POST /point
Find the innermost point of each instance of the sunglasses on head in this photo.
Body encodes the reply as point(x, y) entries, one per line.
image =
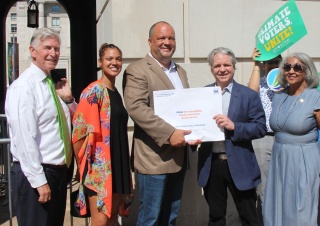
point(296, 67)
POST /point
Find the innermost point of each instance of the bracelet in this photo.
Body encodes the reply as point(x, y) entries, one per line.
point(69, 101)
point(256, 70)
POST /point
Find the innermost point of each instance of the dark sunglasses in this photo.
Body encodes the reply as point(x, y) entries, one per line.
point(273, 62)
point(296, 67)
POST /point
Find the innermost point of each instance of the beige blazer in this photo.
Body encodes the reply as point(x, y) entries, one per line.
point(151, 150)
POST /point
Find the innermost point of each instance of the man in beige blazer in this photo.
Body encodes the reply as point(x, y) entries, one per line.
point(159, 149)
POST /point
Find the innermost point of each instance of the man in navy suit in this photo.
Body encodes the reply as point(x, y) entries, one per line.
point(232, 163)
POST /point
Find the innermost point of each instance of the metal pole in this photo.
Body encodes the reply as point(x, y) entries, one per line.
point(102, 10)
point(7, 141)
point(9, 183)
point(70, 191)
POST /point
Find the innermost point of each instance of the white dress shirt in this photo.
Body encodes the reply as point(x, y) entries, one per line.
point(172, 74)
point(219, 146)
point(33, 125)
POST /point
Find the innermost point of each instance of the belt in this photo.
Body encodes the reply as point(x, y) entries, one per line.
point(270, 134)
point(48, 165)
point(54, 166)
point(221, 156)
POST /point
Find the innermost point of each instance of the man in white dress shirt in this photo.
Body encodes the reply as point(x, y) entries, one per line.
point(39, 182)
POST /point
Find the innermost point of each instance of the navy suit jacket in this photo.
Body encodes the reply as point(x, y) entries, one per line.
point(247, 114)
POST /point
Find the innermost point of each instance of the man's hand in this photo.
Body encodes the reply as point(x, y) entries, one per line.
point(44, 193)
point(177, 138)
point(63, 89)
point(194, 142)
point(224, 122)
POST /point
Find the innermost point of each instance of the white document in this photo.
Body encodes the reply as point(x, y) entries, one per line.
point(191, 109)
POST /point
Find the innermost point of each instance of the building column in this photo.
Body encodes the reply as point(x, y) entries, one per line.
point(41, 14)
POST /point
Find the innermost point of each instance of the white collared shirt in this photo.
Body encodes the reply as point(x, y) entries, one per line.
point(33, 124)
point(219, 146)
point(172, 74)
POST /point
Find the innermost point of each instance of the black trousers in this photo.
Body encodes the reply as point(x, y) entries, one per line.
point(26, 207)
point(216, 196)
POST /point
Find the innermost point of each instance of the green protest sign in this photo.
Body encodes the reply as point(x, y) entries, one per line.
point(284, 28)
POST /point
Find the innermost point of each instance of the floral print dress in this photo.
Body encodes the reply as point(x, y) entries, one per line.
point(92, 122)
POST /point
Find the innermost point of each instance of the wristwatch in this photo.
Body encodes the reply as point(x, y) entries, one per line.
point(69, 101)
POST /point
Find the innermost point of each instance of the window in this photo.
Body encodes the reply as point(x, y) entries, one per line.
point(55, 9)
point(14, 39)
point(13, 16)
point(13, 28)
point(55, 21)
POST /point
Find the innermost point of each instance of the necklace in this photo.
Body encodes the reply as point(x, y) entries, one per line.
point(299, 98)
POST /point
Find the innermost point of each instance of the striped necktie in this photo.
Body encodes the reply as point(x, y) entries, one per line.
point(63, 125)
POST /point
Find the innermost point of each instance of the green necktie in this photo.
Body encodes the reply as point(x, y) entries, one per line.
point(63, 125)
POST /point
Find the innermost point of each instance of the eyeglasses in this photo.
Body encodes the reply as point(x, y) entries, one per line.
point(272, 62)
point(296, 67)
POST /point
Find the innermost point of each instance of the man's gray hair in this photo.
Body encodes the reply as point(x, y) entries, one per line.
point(224, 51)
point(42, 34)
